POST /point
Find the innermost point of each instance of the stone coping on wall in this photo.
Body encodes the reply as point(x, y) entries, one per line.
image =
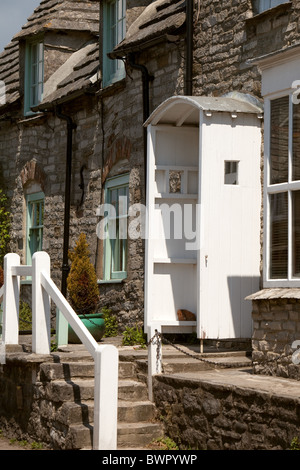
point(275, 293)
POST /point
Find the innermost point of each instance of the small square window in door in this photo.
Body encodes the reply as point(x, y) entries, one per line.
point(231, 172)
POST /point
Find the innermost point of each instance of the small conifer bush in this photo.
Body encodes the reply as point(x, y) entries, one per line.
point(82, 280)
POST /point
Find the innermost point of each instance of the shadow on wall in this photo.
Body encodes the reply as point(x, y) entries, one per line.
point(239, 287)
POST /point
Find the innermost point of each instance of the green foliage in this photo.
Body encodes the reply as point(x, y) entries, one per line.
point(295, 444)
point(111, 323)
point(25, 316)
point(132, 336)
point(82, 280)
point(4, 226)
point(164, 443)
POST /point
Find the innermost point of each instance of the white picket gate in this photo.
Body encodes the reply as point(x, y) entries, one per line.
point(105, 356)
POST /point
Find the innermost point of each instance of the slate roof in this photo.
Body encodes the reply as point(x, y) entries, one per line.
point(9, 71)
point(160, 18)
point(58, 15)
point(52, 15)
point(81, 70)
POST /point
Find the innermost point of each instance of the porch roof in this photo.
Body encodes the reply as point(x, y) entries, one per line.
point(179, 110)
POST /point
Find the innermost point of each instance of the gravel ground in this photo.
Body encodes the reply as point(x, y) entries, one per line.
point(5, 444)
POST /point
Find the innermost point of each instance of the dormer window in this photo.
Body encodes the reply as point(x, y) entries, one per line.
point(34, 75)
point(114, 24)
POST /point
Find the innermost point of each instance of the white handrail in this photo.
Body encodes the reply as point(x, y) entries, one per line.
point(68, 312)
point(105, 356)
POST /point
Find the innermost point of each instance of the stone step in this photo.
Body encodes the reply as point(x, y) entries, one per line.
point(63, 391)
point(67, 371)
point(173, 366)
point(70, 370)
point(132, 390)
point(177, 364)
point(83, 389)
point(139, 434)
point(83, 412)
point(129, 435)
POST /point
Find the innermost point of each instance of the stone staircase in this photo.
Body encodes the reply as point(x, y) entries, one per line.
point(68, 392)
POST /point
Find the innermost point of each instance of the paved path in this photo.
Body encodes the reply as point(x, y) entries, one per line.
point(5, 444)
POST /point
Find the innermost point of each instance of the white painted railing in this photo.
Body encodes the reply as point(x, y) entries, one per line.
point(105, 356)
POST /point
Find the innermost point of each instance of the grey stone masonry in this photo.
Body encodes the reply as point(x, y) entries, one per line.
point(276, 325)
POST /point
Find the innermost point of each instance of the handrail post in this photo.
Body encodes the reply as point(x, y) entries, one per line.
point(106, 398)
point(11, 297)
point(41, 339)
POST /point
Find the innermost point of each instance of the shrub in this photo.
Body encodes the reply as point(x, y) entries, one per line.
point(111, 323)
point(4, 226)
point(82, 280)
point(132, 336)
point(25, 316)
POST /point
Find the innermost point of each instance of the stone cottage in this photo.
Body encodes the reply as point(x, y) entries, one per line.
point(71, 131)
point(79, 88)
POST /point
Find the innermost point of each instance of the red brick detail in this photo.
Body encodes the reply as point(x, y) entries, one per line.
point(33, 172)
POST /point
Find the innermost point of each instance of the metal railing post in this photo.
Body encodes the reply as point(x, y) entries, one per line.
point(11, 296)
point(154, 356)
point(41, 338)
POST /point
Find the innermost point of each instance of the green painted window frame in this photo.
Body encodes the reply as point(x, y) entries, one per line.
point(263, 5)
point(35, 224)
point(34, 75)
point(114, 30)
point(116, 249)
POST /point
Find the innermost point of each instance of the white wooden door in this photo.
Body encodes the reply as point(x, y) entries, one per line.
point(229, 255)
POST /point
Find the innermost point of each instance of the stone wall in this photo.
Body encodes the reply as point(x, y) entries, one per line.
point(229, 35)
point(276, 326)
point(200, 415)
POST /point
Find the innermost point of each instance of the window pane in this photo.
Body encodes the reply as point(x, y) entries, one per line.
point(231, 173)
point(279, 236)
point(296, 233)
point(116, 254)
point(279, 140)
point(296, 142)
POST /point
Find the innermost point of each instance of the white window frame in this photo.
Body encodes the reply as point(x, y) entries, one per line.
point(114, 30)
point(111, 274)
point(269, 189)
point(34, 75)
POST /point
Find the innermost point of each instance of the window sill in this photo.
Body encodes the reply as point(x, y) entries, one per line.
point(273, 293)
point(279, 9)
point(32, 118)
point(111, 281)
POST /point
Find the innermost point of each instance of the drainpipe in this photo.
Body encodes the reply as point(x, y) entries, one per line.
point(65, 266)
point(146, 78)
point(189, 47)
